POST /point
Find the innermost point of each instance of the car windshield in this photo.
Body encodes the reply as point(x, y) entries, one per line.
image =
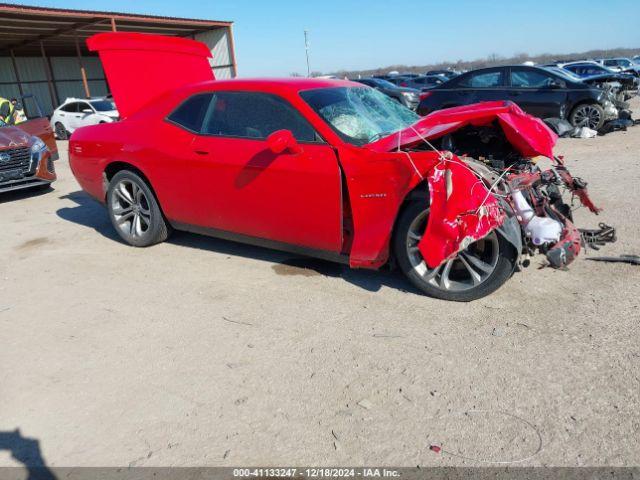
point(359, 115)
point(103, 105)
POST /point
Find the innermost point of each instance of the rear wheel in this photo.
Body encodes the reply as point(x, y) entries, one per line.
point(475, 272)
point(134, 211)
point(587, 115)
point(61, 131)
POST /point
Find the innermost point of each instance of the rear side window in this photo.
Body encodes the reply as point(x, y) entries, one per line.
point(530, 79)
point(482, 80)
point(255, 115)
point(84, 106)
point(190, 114)
point(70, 107)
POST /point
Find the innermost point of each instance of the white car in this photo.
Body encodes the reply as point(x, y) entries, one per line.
point(77, 112)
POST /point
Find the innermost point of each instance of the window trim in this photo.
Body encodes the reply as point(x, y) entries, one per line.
point(550, 75)
point(502, 84)
point(212, 93)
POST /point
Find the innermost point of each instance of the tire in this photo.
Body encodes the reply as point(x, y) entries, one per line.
point(134, 211)
point(492, 259)
point(61, 131)
point(587, 115)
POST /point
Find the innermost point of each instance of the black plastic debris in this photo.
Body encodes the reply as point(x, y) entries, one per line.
point(561, 127)
point(620, 124)
point(631, 259)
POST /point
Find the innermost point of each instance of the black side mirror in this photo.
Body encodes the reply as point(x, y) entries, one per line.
point(557, 84)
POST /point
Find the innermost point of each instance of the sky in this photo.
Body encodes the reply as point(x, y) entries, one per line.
point(359, 34)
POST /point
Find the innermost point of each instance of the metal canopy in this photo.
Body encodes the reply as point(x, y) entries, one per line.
point(26, 29)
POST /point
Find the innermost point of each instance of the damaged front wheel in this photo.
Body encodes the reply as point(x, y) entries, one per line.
point(475, 272)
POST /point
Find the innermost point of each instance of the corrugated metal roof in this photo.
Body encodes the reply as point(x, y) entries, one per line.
point(24, 27)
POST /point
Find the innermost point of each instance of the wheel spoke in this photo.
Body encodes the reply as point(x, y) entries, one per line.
point(122, 210)
point(444, 276)
point(414, 236)
point(476, 278)
point(146, 218)
point(477, 263)
point(125, 217)
point(124, 194)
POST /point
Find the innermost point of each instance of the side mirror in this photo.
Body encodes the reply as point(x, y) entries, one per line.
point(283, 140)
point(556, 84)
point(87, 110)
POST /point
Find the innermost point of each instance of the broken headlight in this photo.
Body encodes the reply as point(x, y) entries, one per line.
point(38, 145)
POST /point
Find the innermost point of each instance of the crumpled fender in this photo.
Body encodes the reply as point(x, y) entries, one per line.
point(462, 211)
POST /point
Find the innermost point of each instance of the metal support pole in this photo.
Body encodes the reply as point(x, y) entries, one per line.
point(233, 51)
point(47, 68)
point(83, 72)
point(113, 25)
point(306, 49)
point(15, 69)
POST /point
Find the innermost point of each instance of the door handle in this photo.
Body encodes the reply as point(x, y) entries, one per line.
point(516, 94)
point(201, 152)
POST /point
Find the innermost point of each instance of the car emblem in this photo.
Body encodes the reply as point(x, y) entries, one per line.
point(4, 157)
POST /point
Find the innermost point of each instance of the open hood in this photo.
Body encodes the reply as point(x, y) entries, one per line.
point(529, 135)
point(140, 67)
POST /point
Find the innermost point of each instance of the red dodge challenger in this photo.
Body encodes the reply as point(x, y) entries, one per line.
point(332, 169)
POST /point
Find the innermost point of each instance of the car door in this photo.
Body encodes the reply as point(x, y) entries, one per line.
point(67, 115)
point(239, 185)
point(480, 86)
point(537, 92)
point(86, 115)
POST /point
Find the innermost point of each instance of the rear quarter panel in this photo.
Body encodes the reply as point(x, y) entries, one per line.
point(154, 147)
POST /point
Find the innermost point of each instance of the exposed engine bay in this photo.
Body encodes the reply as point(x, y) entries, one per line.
point(529, 191)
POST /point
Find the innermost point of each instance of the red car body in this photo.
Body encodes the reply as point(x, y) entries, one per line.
point(330, 199)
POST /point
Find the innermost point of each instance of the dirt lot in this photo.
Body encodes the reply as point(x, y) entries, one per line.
point(205, 352)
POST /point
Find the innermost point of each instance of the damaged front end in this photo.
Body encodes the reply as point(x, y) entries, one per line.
point(522, 198)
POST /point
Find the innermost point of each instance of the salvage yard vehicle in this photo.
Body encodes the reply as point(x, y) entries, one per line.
point(408, 97)
point(621, 65)
point(624, 84)
point(538, 91)
point(80, 112)
point(329, 168)
point(25, 160)
point(37, 124)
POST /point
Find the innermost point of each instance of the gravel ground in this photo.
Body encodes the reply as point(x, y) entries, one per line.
point(205, 352)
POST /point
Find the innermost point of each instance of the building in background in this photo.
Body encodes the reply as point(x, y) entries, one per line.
point(43, 51)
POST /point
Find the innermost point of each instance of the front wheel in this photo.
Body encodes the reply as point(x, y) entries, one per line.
point(134, 211)
point(61, 131)
point(587, 115)
point(477, 271)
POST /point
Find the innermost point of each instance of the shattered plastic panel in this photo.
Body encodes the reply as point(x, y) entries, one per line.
point(462, 211)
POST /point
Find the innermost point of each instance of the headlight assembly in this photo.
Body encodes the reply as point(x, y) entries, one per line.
point(38, 145)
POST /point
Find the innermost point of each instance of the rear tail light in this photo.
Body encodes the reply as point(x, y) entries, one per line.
point(403, 84)
point(424, 95)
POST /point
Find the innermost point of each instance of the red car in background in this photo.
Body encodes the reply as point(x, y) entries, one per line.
point(25, 161)
point(328, 168)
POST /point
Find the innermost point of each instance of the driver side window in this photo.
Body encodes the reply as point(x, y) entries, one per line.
point(254, 115)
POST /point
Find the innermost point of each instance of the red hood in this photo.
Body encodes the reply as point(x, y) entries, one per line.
point(529, 135)
point(140, 67)
point(13, 137)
